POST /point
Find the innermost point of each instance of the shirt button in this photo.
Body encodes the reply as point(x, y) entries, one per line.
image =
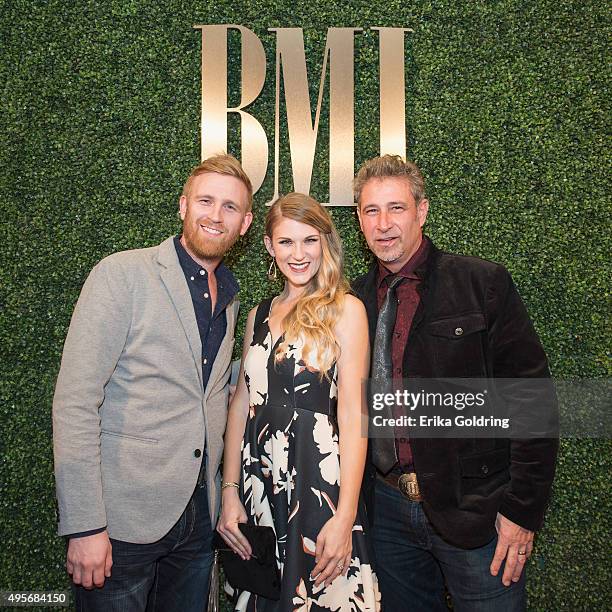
point(206, 295)
point(202, 272)
point(197, 452)
point(485, 469)
point(192, 278)
point(459, 331)
point(205, 361)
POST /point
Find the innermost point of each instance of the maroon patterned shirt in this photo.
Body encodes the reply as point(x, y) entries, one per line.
point(408, 301)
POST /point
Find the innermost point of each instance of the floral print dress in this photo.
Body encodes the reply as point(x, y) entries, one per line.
point(291, 477)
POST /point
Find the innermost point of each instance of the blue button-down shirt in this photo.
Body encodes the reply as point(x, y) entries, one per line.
point(212, 325)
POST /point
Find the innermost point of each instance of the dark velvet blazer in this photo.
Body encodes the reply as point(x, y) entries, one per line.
point(465, 482)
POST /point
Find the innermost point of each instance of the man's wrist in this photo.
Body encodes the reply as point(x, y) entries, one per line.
point(521, 517)
point(84, 534)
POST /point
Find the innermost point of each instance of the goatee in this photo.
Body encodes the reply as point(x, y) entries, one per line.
point(207, 249)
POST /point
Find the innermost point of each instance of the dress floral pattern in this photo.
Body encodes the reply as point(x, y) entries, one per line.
point(291, 477)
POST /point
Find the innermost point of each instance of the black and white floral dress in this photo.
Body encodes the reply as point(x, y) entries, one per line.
point(291, 474)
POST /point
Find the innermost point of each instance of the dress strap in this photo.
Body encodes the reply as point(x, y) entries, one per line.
point(263, 310)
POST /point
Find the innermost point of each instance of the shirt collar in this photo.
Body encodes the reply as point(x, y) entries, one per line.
point(409, 269)
point(226, 281)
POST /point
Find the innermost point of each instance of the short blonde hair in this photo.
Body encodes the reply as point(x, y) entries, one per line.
point(390, 166)
point(221, 164)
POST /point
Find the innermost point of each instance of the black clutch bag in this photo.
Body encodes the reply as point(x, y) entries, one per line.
point(260, 574)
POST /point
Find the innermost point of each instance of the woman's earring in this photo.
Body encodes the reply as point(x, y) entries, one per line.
point(272, 270)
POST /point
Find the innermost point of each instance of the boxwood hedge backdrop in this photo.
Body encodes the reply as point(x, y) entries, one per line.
point(506, 114)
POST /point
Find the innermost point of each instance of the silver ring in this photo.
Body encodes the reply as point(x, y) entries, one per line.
point(340, 566)
point(522, 552)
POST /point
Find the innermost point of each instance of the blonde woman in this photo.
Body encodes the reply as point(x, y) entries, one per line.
point(293, 438)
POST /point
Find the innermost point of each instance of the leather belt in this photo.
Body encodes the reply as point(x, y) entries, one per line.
point(407, 484)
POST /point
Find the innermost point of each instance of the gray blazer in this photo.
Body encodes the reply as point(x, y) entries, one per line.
point(130, 414)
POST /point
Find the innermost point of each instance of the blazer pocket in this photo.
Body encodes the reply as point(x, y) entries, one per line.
point(116, 434)
point(484, 465)
point(484, 478)
point(457, 327)
point(457, 343)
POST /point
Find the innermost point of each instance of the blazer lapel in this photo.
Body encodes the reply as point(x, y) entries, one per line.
point(173, 277)
point(425, 287)
point(369, 297)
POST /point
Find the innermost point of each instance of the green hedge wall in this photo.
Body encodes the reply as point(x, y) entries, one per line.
point(506, 114)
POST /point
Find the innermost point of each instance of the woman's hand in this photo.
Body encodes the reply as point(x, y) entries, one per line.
point(333, 551)
point(232, 513)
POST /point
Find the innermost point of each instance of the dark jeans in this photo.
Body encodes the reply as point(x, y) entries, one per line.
point(413, 563)
point(169, 575)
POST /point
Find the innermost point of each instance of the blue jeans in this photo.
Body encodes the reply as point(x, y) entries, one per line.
point(413, 563)
point(169, 575)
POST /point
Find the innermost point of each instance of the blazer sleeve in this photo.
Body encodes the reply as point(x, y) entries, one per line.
point(96, 337)
point(518, 357)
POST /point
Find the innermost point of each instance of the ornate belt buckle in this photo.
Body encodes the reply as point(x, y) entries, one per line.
point(409, 486)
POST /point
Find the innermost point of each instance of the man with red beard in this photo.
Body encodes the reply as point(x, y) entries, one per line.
point(140, 407)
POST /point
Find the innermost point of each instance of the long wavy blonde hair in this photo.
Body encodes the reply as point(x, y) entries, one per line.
point(314, 316)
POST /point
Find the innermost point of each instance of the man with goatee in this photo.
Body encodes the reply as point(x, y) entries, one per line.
point(458, 512)
point(140, 407)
